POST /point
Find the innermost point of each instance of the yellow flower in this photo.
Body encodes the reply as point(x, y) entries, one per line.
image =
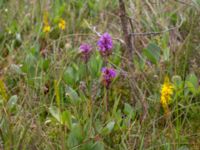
point(166, 93)
point(62, 24)
point(46, 28)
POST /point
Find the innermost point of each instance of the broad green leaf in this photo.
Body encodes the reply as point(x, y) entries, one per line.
point(55, 112)
point(72, 94)
point(128, 110)
point(68, 76)
point(66, 119)
point(116, 58)
point(184, 147)
point(75, 136)
point(44, 64)
point(192, 78)
point(166, 54)
point(139, 62)
point(12, 101)
point(178, 84)
point(192, 83)
point(108, 128)
point(82, 71)
point(95, 65)
point(152, 52)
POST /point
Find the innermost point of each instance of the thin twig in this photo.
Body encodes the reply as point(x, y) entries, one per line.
point(157, 33)
point(153, 33)
point(93, 29)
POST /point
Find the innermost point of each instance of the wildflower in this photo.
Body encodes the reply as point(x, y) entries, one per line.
point(166, 93)
point(85, 50)
point(46, 28)
point(62, 24)
point(108, 74)
point(105, 44)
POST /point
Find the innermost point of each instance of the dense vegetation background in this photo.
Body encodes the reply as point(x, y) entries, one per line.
point(53, 95)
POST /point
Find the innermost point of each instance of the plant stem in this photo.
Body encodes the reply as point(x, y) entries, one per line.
point(107, 100)
point(125, 29)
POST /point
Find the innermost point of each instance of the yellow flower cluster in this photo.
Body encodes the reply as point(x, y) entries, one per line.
point(166, 93)
point(46, 27)
point(62, 24)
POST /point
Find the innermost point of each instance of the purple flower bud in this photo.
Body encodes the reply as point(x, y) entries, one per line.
point(85, 50)
point(105, 44)
point(108, 74)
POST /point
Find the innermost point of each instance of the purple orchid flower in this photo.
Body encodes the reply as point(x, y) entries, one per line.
point(105, 44)
point(85, 50)
point(108, 74)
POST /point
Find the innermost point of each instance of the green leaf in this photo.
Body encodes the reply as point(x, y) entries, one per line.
point(178, 84)
point(55, 112)
point(152, 52)
point(95, 65)
point(128, 110)
point(139, 62)
point(184, 147)
point(108, 128)
point(12, 102)
point(192, 83)
point(116, 59)
point(66, 119)
point(82, 71)
point(166, 54)
point(68, 76)
point(75, 136)
point(98, 146)
point(73, 96)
